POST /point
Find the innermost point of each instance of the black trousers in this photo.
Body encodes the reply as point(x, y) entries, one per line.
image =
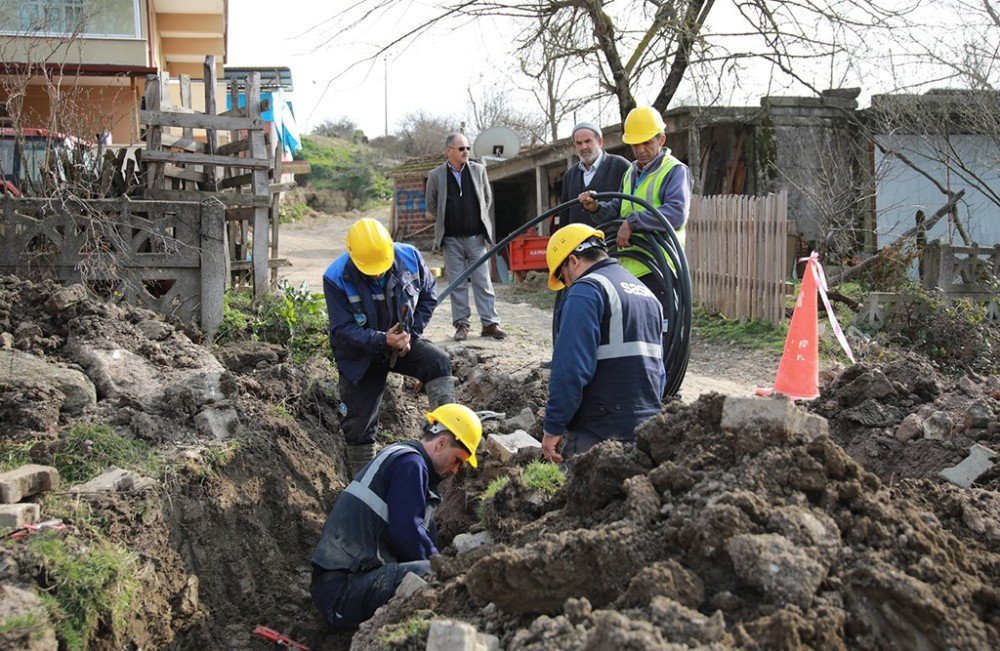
point(360, 403)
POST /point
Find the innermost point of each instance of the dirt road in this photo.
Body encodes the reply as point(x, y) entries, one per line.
point(312, 243)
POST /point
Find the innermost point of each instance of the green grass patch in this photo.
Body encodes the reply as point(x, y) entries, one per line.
point(411, 633)
point(290, 317)
point(752, 335)
point(89, 450)
point(14, 454)
point(85, 589)
point(544, 476)
point(291, 212)
point(491, 489)
point(20, 624)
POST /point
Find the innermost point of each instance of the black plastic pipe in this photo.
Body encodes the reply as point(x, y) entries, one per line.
point(676, 279)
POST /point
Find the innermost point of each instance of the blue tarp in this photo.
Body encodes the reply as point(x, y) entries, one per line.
point(281, 114)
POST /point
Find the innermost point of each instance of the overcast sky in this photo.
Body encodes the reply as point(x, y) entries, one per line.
point(269, 33)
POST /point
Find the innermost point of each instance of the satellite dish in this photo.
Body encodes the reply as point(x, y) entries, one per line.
point(497, 143)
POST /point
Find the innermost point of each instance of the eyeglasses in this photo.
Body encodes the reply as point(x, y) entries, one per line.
point(462, 148)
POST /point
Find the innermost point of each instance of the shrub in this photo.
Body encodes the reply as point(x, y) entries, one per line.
point(295, 318)
point(543, 476)
point(492, 489)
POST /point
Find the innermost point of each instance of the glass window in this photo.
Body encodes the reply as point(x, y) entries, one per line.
point(85, 17)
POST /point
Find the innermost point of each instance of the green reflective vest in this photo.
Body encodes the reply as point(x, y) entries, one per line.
point(648, 189)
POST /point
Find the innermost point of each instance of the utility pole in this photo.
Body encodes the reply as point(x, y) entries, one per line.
point(385, 80)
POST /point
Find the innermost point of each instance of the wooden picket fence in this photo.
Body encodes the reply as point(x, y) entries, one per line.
point(737, 252)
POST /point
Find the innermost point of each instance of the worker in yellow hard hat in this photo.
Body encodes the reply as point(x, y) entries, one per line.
point(380, 296)
point(657, 177)
point(607, 363)
point(381, 527)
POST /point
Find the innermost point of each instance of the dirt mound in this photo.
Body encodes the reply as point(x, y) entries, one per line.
point(764, 535)
point(904, 420)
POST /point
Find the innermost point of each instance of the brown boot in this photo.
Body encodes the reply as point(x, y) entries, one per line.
point(493, 330)
point(461, 332)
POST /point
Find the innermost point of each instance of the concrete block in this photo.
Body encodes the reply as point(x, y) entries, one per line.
point(980, 460)
point(511, 448)
point(451, 635)
point(219, 424)
point(466, 542)
point(411, 584)
point(15, 516)
point(26, 481)
point(487, 642)
point(938, 426)
point(114, 480)
point(6, 341)
point(772, 413)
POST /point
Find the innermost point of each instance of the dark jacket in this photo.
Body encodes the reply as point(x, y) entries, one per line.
point(607, 363)
point(608, 178)
point(361, 310)
point(384, 515)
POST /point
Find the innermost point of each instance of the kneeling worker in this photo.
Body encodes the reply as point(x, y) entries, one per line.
point(607, 363)
point(381, 528)
point(380, 296)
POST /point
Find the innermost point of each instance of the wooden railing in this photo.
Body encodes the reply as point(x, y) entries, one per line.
point(737, 251)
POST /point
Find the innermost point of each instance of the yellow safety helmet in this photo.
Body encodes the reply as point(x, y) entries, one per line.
point(464, 425)
point(642, 124)
point(563, 242)
point(370, 247)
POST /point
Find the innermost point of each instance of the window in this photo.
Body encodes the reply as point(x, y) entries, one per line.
point(84, 17)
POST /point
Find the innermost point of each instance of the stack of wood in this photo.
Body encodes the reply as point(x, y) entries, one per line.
point(186, 166)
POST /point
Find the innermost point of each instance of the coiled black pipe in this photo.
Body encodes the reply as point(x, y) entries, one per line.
point(671, 272)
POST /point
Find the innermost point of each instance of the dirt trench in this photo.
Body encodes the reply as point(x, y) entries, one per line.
point(761, 537)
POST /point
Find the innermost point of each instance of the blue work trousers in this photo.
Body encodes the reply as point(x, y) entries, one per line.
point(360, 403)
point(346, 600)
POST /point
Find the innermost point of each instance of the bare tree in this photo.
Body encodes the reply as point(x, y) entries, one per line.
point(420, 133)
point(495, 107)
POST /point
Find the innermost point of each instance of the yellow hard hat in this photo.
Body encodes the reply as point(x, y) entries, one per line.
point(641, 124)
point(563, 242)
point(370, 247)
point(464, 425)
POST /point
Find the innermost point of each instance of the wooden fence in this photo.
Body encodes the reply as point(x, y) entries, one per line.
point(185, 167)
point(167, 256)
point(737, 251)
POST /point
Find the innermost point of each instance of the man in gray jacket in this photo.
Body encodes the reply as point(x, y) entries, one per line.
point(459, 198)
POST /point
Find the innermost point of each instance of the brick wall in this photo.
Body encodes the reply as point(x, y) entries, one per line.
point(410, 205)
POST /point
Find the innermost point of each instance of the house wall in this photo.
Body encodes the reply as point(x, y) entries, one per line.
point(805, 146)
point(901, 191)
point(409, 204)
point(83, 110)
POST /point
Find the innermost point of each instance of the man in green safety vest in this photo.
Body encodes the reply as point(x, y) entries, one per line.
point(657, 177)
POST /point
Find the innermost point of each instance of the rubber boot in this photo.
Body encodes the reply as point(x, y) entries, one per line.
point(358, 456)
point(440, 391)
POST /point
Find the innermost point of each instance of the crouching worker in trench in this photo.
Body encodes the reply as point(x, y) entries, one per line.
point(380, 296)
point(607, 362)
point(381, 527)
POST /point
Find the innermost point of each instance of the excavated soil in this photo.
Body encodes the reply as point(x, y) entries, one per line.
point(765, 537)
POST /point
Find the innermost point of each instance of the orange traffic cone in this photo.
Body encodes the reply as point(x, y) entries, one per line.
point(798, 371)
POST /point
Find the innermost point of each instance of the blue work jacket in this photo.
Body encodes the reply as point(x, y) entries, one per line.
point(362, 308)
point(607, 363)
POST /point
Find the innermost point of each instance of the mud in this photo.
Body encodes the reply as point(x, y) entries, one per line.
point(758, 538)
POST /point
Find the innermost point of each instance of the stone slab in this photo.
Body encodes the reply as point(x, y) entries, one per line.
point(451, 635)
point(112, 481)
point(411, 584)
point(15, 516)
point(219, 424)
point(26, 481)
point(777, 413)
point(980, 460)
point(466, 542)
point(21, 368)
point(514, 447)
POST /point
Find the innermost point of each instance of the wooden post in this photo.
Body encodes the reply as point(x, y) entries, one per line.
point(211, 136)
point(260, 186)
point(156, 88)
